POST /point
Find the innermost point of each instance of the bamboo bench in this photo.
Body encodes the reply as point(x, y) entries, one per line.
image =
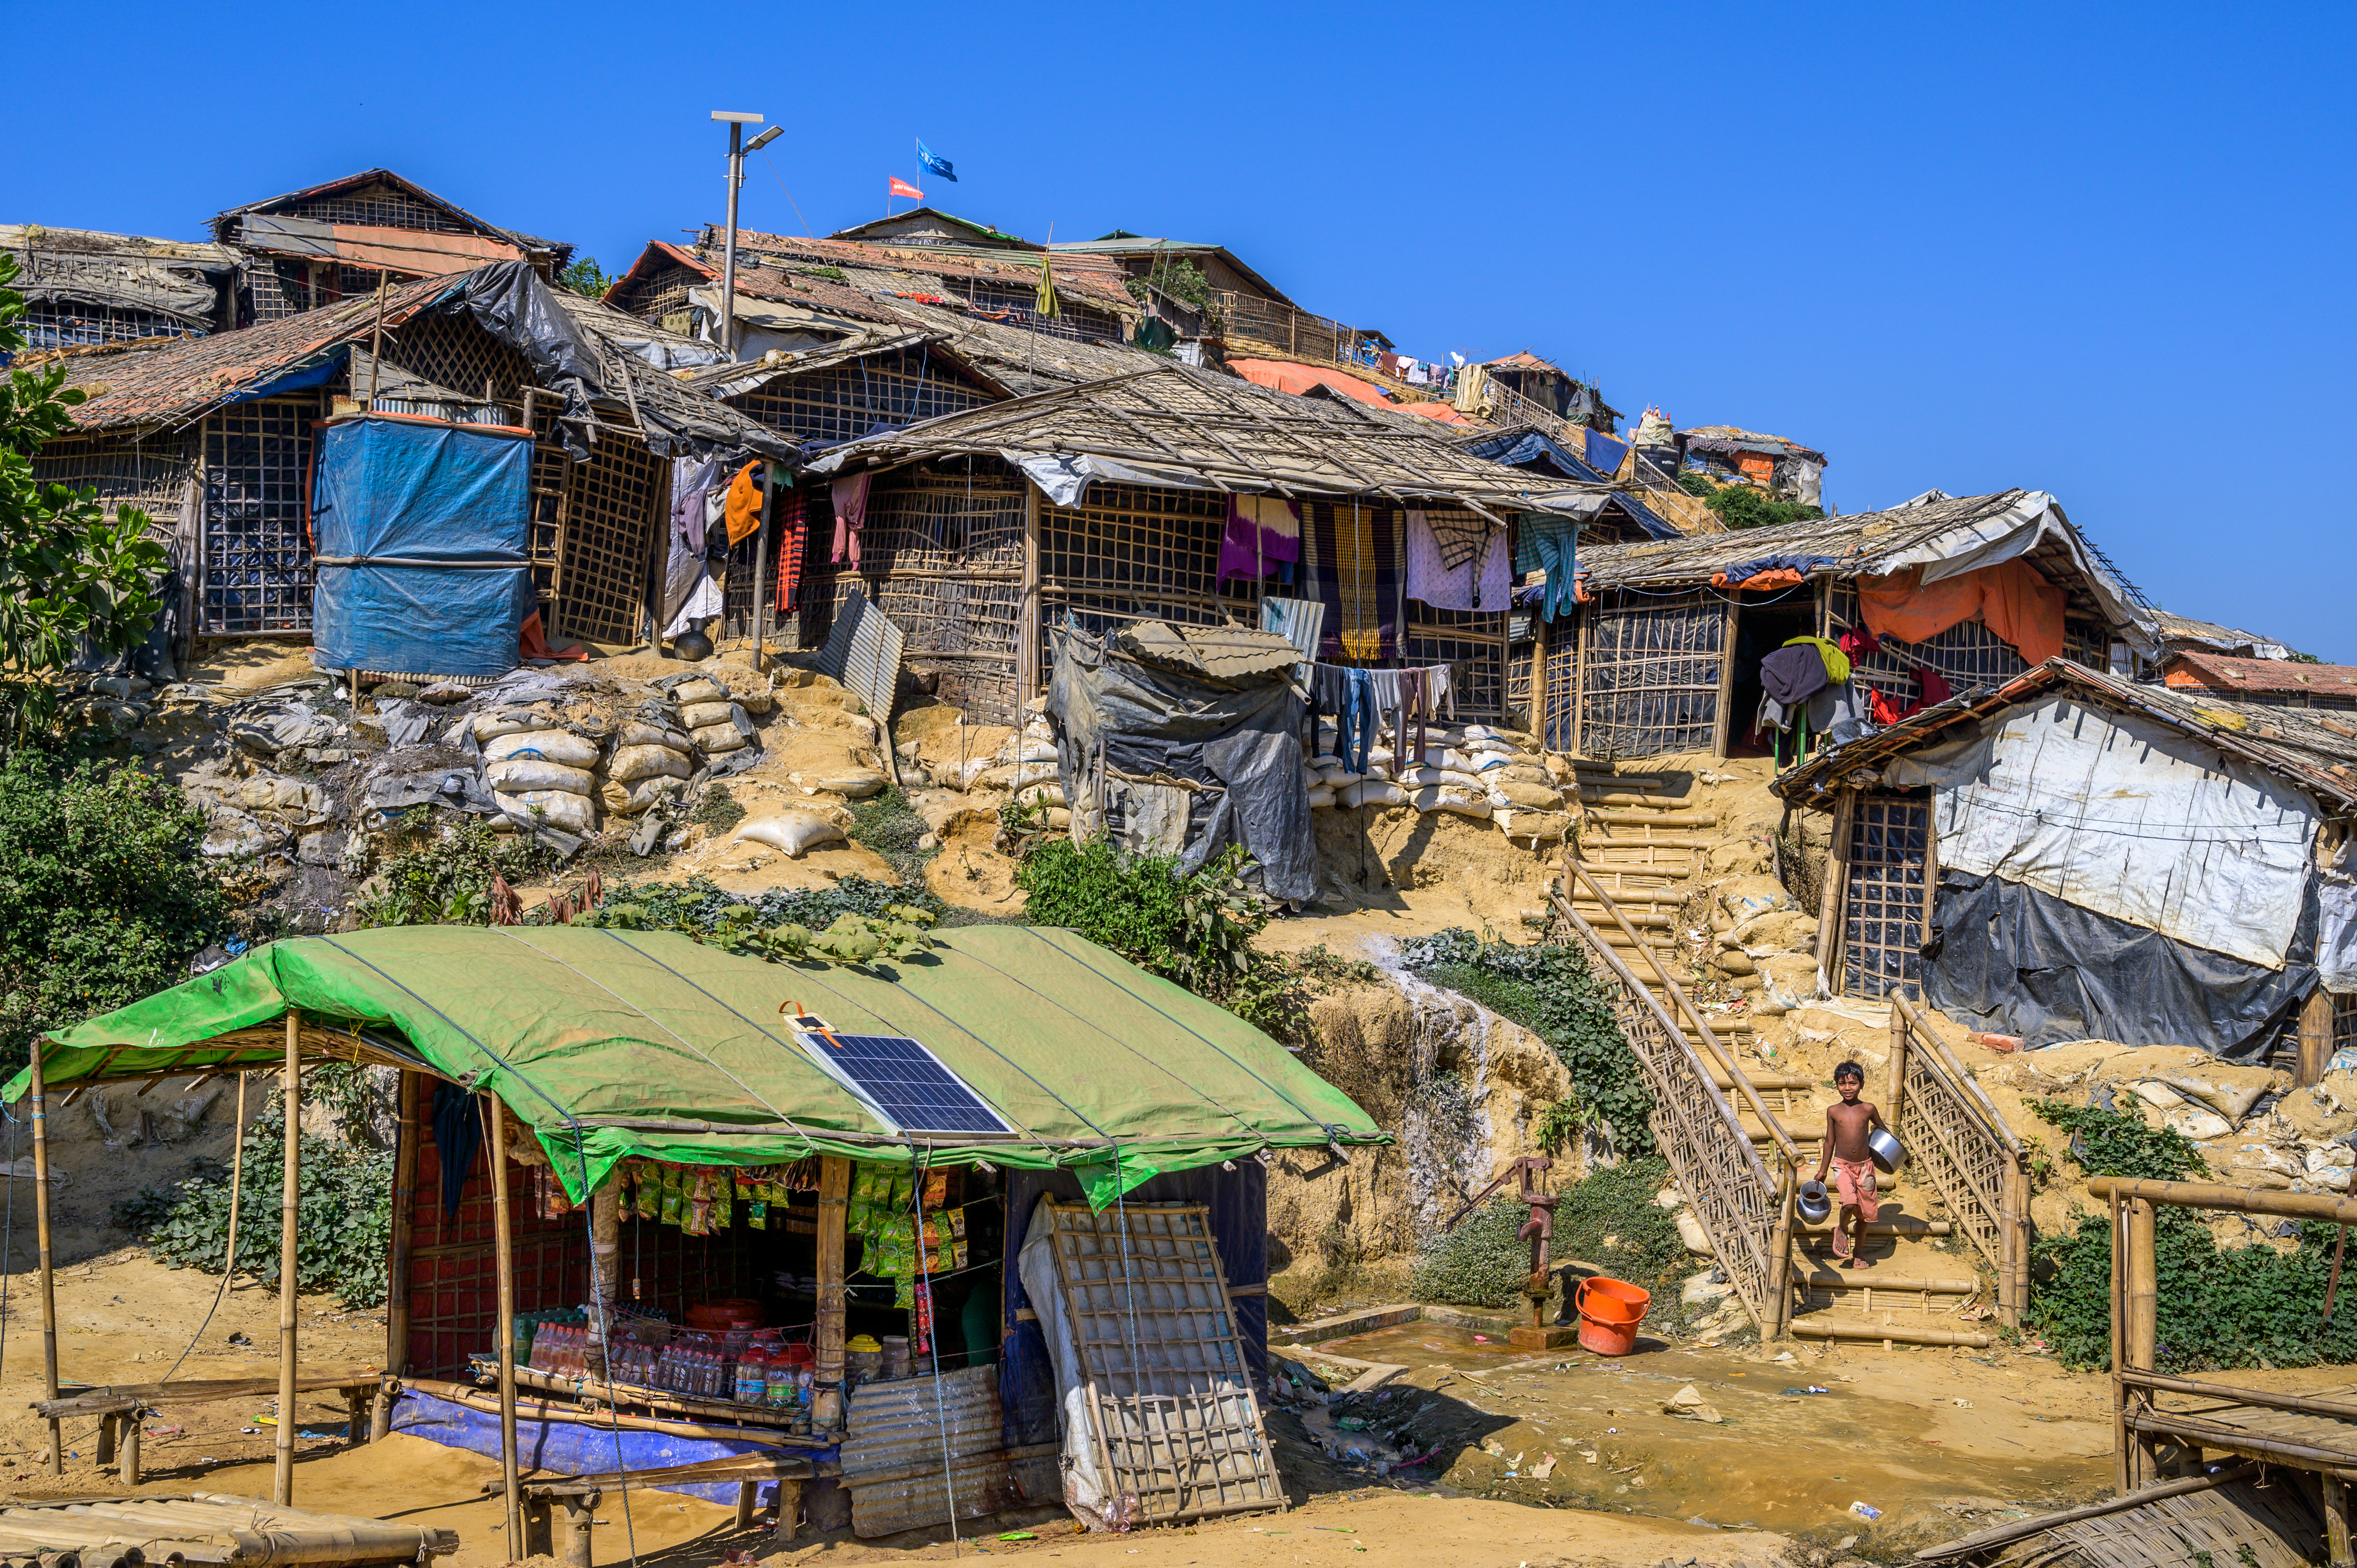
point(119, 1406)
point(580, 1494)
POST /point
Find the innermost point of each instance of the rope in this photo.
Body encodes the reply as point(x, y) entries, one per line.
point(228, 1266)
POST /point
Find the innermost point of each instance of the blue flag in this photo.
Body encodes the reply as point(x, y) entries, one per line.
point(934, 162)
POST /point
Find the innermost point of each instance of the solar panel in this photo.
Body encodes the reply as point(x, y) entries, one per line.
point(907, 1082)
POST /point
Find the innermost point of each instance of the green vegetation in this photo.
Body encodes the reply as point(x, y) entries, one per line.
point(855, 922)
point(717, 810)
point(586, 276)
point(1196, 930)
point(435, 872)
point(66, 571)
point(105, 893)
point(1481, 1262)
point(1181, 279)
point(1549, 989)
point(832, 275)
point(2219, 1307)
point(1611, 1221)
point(344, 1213)
point(890, 825)
point(1747, 506)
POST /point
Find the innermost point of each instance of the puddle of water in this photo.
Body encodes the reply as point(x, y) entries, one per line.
point(1903, 1436)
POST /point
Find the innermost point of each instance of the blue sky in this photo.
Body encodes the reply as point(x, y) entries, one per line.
point(2100, 250)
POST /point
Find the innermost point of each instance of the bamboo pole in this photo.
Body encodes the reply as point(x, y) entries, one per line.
point(2140, 1312)
point(2315, 1038)
point(2336, 1521)
point(1836, 893)
point(2265, 1399)
point(2321, 1207)
point(833, 1206)
point(407, 1138)
point(48, 1263)
point(2119, 1370)
point(503, 1255)
point(1895, 1332)
point(1780, 1259)
point(1026, 615)
point(1894, 1072)
point(290, 1200)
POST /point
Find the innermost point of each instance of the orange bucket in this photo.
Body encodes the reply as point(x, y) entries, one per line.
point(1609, 1311)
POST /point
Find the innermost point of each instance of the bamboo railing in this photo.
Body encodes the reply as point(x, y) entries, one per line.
point(1745, 1211)
point(1956, 1138)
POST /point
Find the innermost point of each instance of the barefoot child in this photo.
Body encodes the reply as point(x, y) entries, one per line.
point(1847, 1125)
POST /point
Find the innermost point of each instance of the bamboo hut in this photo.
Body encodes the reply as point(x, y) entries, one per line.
point(1104, 504)
point(1667, 642)
point(214, 438)
point(2071, 854)
point(867, 1216)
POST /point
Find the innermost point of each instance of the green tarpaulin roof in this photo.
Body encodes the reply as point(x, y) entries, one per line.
point(611, 1043)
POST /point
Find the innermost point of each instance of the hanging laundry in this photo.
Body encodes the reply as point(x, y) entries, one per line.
point(744, 505)
point(1858, 643)
point(1836, 661)
point(690, 481)
point(2011, 598)
point(1930, 690)
point(1358, 558)
point(1262, 534)
point(793, 523)
point(850, 517)
point(1481, 580)
point(1791, 676)
point(1295, 620)
point(1545, 543)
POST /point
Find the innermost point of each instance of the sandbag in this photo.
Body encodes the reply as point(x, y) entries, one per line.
point(1537, 796)
point(853, 784)
point(1035, 751)
point(622, 800)
point(1460, 801)
point(557, 808)
point(519, 773)
point(548, 744)
point(1429, 777)
point(1369, 792)
point(497, 722)
point(791, 832)
point(1337, 777)
point(701, 689)
point(1040, 795)
point(643, 734)
point(1544, 827)
point(698, 715)
point(631, 763)
point(1745, 898)
point(1521, 772)
point(1320, 797)
point(714, 738)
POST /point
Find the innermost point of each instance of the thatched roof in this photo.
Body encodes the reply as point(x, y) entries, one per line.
point(1173, 424)
point(731, 379)
point(2314, 751)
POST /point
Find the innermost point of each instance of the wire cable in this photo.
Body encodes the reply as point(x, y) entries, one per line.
point(228, 1266)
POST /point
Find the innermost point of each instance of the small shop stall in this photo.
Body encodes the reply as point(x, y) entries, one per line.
point(974, 1228)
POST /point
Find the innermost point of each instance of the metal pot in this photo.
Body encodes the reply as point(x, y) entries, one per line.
point(1813, 1203)
point(1888, 1152)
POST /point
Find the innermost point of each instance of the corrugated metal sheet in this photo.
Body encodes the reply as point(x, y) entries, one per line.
point(892, 1455)
point(863, 651)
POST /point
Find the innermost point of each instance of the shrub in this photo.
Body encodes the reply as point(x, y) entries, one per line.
point(104, 894)
point(440, 873)
point(1481, 1262)
point(1747, 506)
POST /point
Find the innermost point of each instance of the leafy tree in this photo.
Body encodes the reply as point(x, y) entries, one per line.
point(1747, 506)
point(586, 276)
point(105, 893)
point(66, 571)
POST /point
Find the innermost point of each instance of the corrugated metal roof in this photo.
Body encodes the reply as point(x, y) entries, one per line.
point(2285, 676)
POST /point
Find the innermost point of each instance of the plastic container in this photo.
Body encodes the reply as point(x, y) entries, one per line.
point(1609, 1311)
point(896, 1363)
point(728, 1312)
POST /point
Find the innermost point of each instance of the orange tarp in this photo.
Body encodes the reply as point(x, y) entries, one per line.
point(417, 252)
point(1283, 375)
point(2010, 599)
point(1444, 413)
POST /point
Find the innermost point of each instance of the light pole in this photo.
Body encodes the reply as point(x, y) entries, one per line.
point(738, 148)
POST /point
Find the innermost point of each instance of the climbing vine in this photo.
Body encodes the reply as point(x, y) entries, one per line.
point(1550, 990)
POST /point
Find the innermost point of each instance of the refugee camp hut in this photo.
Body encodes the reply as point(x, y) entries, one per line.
point(1523, 389)
point(1092, 301)
point(823, 397)
point(1123, 499)
point(2068, 855)
point(1960, 595)
point(337, 241)
point(86, 287)
point(778, 307)
point(1727, 454)
point(2183, 634)
point(218, 437)
point(976, 1223)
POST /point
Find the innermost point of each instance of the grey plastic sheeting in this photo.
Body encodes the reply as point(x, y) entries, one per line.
point(1244, 738)
point(2007, 958)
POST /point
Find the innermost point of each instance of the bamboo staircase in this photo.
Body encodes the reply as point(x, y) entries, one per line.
point(1739, 1139)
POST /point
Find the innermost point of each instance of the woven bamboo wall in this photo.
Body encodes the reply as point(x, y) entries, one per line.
point(57, 323)
point(1559, 721)
point(256, 570)
point(1884, 903)
point(1968, 655)
point(1130, 553)
point(843, 401)
point(151, 474)
point(942, 554)
point(1651, 679)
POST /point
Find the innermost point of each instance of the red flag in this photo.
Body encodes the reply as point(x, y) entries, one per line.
point(902, 188)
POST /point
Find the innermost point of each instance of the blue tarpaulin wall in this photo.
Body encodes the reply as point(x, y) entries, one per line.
point(418, 530)
point(575, 1448)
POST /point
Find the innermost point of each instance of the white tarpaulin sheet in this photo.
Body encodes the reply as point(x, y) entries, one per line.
point(2133, 820)
point(2335, 926)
